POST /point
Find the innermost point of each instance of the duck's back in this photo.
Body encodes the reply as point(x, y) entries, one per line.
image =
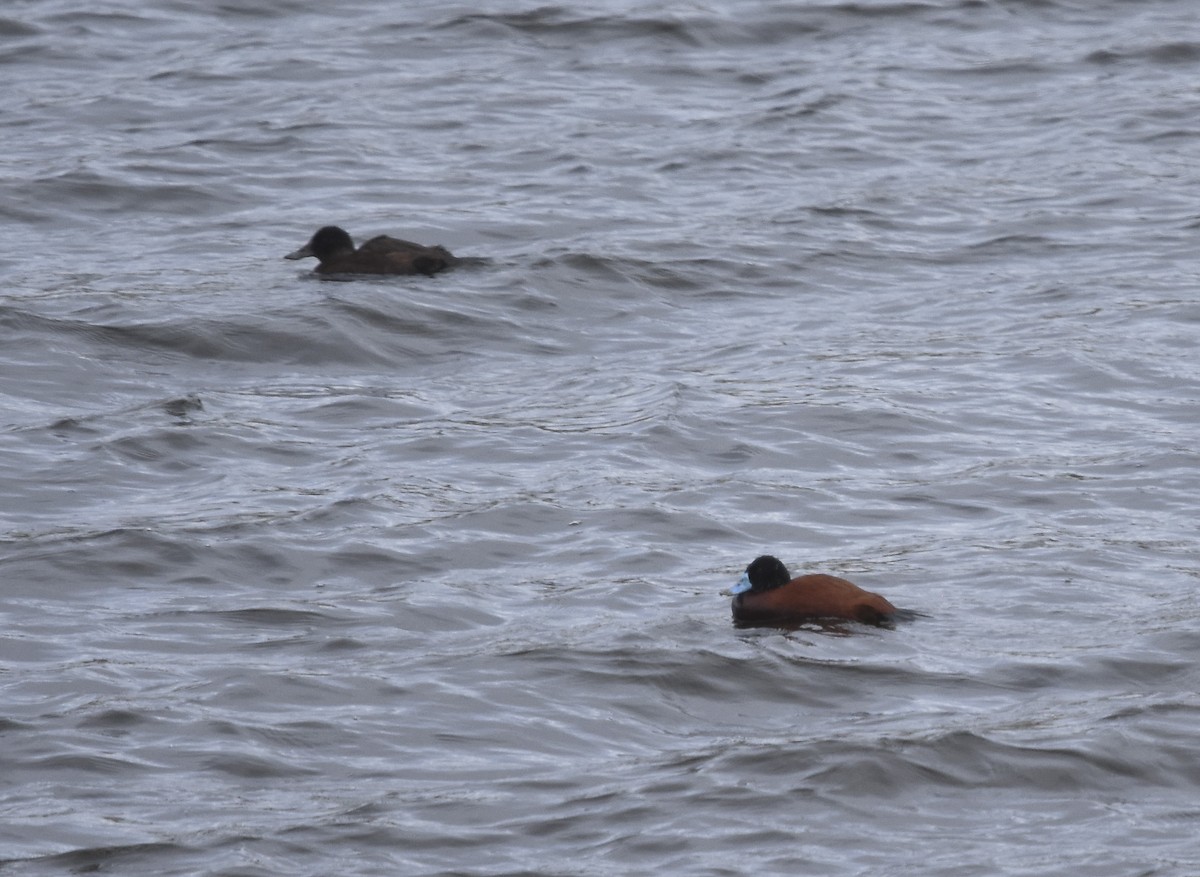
point(387, 244)
point(388, 255)
point(815, 596)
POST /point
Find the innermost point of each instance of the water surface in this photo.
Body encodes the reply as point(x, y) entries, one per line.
point(421, 575)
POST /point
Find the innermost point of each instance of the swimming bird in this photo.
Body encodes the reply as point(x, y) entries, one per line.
point(335, 254)
point(767, 593)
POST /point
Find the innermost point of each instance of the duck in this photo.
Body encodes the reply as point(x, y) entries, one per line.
point(335, 254)
point(767, 594)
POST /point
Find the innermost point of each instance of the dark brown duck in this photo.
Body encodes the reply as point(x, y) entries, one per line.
point(335, 254)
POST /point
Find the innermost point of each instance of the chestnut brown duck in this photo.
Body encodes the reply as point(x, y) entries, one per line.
point(768, 595)
point(336, 254)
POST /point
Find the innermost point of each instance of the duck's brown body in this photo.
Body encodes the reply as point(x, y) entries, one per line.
point(813, 596)
point(768, 594)
point(335, 254)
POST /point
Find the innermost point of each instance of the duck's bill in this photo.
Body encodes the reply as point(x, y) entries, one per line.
point(743, 585)
point(303, 253)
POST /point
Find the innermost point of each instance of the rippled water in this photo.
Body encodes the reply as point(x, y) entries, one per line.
point(421, 575)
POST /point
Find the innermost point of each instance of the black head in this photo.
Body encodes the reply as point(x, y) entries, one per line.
point(328, 241)
point(767, 572)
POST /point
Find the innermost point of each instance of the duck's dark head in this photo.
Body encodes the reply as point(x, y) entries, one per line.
point(763, 574)
point(327, 242)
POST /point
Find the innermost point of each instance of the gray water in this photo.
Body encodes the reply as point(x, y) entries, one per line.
point(421, 576)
